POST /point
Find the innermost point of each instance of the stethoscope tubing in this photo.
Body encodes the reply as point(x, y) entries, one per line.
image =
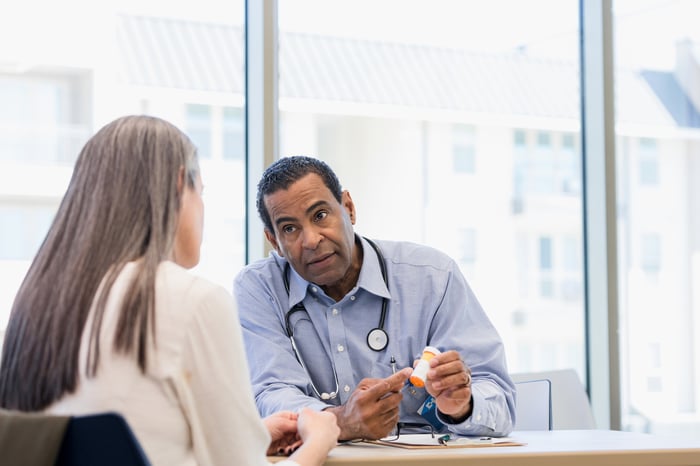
point(382, 317)
point(377, 338)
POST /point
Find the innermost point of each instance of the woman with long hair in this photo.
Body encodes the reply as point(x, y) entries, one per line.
point(108, 319)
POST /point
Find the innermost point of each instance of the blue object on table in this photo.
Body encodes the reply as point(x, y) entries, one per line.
point(428, 410)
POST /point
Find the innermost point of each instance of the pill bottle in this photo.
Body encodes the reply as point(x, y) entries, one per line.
point(420, 372)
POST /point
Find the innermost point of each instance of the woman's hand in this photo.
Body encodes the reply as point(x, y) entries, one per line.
point(283, 430)
point(319, 428)
point(315, 432)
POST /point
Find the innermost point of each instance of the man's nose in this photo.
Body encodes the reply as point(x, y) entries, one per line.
point(311, 238)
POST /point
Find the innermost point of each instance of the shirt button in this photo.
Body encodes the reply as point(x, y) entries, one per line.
point(478, 417)
point(335, 312)
point(352, 298)
point(341, 348)
point(346, 388)
point(314, 289)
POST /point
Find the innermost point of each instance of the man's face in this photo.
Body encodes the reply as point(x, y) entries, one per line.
point(314, 232)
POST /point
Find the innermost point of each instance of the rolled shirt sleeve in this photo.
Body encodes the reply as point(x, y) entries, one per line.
point(461, 324)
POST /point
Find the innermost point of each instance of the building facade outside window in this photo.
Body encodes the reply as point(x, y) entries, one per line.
point(658, 162)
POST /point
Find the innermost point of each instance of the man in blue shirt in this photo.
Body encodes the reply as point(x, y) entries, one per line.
point(334, 321)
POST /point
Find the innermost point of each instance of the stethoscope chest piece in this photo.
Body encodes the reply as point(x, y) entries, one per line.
point(377, 339)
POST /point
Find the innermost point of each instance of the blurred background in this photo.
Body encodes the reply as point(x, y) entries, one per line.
point(453, 123)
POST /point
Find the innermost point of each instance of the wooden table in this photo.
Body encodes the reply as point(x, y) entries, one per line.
point(548, 448)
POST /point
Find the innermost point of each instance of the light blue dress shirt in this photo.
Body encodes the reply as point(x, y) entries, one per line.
point(430, 303)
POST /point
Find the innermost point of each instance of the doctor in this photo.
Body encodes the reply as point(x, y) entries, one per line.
point(334, 321)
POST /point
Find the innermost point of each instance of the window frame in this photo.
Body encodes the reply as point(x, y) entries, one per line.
point(598, 173)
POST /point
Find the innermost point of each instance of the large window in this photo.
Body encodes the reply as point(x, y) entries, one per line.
point(67, 74)
point(458, 123)
point(658, 168)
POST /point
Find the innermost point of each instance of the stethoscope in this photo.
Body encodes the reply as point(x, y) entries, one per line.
point(377, 338)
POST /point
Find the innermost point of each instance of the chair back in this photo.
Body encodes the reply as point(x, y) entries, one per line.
point(30, 439)
point(533, 405)
point(571, 408)
point(102, 439)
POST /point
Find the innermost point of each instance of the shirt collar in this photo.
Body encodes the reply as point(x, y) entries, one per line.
point(297, 285)
point(371, 273)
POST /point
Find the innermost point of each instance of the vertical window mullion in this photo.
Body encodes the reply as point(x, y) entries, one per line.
point(261, 110)
point(600, 213)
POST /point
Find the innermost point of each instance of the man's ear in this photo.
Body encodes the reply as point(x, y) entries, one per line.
point(349, 206)
point(273, 241)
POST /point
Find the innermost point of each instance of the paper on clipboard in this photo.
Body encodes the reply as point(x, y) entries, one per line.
point(426, 441)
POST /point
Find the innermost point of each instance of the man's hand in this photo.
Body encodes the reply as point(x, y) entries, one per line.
point(450, 382)
point(372, 410)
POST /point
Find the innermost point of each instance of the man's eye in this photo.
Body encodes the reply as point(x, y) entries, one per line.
point(288, 229)
point(321, 215)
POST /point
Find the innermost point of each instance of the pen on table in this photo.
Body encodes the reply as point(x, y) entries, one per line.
point(443, 440)
point(392, 361)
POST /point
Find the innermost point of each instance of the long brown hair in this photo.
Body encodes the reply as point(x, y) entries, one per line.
point(121, 205)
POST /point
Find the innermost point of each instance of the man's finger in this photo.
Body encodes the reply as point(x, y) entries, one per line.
point(396, 381)
point(443, 358)
point(393, 383)
point(367, 383)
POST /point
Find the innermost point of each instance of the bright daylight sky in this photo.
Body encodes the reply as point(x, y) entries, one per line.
point(645, 29)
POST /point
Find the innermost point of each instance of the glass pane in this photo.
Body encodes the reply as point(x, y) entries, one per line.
point(234, 133)
point(181, 62)
point(460, 124)
point(657, 59)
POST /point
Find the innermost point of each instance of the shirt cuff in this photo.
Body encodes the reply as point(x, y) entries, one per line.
point(480, 422)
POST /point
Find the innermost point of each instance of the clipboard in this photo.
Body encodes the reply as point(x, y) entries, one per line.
point(426, 441)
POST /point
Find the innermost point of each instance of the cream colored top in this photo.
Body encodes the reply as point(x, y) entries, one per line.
point(194, 405)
